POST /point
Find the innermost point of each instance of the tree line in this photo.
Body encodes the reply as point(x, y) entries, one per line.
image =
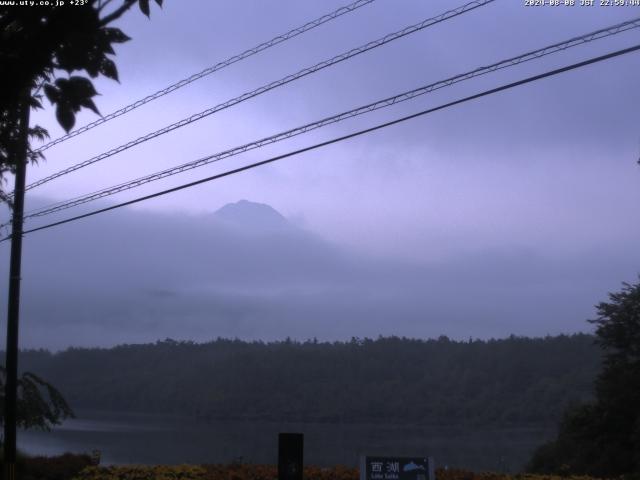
point(515, 381)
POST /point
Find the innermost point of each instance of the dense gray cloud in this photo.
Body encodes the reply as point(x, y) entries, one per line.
point(247, 272)
point(511, 214)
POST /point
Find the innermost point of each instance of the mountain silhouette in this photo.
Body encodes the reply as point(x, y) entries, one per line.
point(251, 216)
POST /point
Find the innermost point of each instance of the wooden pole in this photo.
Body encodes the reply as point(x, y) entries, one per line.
point(13, 314)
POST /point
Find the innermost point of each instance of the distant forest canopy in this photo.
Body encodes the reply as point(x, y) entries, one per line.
point(513, 381)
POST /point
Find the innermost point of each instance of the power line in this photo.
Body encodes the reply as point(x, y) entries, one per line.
point(265, 88)
point(212, 69)
point(532, 55)
point(345, 137)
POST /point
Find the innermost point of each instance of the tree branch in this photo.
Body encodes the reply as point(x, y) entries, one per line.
point(117, 13)
point(102, 5)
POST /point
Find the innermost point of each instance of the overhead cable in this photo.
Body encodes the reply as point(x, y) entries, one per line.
point(342, 138)
point(270, 86)
point(532, 55)
point(212, 69)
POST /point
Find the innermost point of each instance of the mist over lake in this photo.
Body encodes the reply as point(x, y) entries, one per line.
point(149, 439)
point(246, 271)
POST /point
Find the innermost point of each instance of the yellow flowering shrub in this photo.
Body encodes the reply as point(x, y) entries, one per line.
point(241, 472)
point(139, 472)
point(457, 474)
point(270, 472)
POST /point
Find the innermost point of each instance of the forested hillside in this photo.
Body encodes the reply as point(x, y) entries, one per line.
point(510, 381)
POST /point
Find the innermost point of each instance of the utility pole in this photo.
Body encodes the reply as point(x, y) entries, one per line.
point(13, 316)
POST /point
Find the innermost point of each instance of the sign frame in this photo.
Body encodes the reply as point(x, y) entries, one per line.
point(385, 467)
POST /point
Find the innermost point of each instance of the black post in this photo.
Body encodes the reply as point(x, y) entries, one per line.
point(290, 456)
point(13, 315)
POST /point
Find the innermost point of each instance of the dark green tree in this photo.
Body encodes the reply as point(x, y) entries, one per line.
point(40, 404)
point(41, 50)
point(603, 438)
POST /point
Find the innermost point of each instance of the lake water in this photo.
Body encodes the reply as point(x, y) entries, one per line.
point(150, 439)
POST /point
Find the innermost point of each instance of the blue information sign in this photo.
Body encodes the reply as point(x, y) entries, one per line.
point(396, 468)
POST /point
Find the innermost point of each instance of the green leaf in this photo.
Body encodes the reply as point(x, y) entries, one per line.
point(115, 35)
point(72, 55)
point(92, 66)
point(52, 93)
point(82, 87)
point(74, 93)
point(88, 103)
point(144, 7)
point(108, 69)
point(65, 115)
point(35, 102)
point(38, 132)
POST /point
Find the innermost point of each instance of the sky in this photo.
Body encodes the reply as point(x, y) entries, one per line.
point(511, 214)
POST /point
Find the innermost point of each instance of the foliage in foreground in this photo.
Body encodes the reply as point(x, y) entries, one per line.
point(136, 472)
point(603, 438)
point(39, 44)
point(457, 474)
point(82, 467)
point(40, 404)
point(270, 472)
point(62, 467)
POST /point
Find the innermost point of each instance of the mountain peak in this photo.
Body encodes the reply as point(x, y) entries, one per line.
point(251, 215)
